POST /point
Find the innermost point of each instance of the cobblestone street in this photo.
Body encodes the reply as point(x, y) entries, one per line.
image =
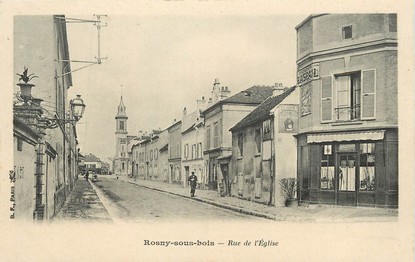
point(83, 204)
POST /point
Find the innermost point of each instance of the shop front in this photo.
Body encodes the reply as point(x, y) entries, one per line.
point(358, 168)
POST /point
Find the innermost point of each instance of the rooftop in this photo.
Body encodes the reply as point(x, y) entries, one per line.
point(91, 158)
point(261, 112)
point(251, 96)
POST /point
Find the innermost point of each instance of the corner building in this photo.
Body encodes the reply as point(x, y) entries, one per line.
point(348, 126)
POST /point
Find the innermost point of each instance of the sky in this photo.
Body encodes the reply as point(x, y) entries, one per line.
point(161, 64)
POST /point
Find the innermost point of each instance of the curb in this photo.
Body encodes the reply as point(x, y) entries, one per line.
point(233, 208)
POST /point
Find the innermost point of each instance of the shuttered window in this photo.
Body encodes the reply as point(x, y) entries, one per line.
point(326, 99)
point(368, 94)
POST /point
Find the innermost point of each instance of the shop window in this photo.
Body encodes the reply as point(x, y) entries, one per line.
point(347, 32)
point(327, 181)
point(367, 167)
point(240, 144)
point(258, 140)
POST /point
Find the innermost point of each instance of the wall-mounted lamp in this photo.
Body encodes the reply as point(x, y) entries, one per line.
point(77, 110)
point(77, 105)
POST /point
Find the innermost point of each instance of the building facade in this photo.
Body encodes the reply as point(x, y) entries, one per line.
point(120, 162)
point(264, 149)
point(192, 145)
point(348, 125)
point(93, 163)
point(219, 117)
point(140, 156)
point(41, 46)
point(175, 144)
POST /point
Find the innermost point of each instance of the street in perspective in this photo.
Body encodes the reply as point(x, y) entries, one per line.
point(192, 119)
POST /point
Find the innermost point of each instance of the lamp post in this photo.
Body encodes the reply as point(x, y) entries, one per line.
point(77, 107)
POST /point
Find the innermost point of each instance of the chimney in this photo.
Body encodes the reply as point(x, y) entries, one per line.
point(224, 93)
point(201, 104)
point(184, 112)
point(216, 91)
point(278, 89)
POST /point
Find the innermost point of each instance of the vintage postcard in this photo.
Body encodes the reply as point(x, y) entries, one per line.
point(209, 130)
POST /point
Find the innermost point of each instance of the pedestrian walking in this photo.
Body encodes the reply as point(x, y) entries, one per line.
point(87, 175)
point(193, 181)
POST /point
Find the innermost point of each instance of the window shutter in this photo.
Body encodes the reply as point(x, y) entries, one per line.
point(326, 99)
point(368, 94)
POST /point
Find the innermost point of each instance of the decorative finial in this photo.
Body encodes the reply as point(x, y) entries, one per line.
point(25, 77)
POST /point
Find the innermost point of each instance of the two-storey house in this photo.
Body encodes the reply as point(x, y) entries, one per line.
point(348, 125)
point(222, 114)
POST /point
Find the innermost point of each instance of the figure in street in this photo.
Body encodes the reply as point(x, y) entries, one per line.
point(87, 175)
point(193, 181)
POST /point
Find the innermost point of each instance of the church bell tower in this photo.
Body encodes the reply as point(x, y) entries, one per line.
point(121, 156)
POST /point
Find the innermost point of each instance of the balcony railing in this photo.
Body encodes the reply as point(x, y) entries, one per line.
point(347, 113)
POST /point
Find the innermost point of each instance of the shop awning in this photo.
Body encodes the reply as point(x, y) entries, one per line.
point(346, 136)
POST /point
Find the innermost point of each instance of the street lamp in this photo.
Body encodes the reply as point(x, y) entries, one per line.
point(77, 110)
point(77, 107)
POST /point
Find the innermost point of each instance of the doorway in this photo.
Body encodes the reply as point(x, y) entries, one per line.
point(346, 177)
point(186, 172)
point(227, 184)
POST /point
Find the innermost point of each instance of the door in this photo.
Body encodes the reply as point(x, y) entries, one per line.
point(186, 171)
point(346, 177)
point(227, 184)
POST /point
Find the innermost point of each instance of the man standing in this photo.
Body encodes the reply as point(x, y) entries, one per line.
point(193, 181)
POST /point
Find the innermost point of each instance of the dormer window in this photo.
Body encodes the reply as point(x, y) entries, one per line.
point(347, 32)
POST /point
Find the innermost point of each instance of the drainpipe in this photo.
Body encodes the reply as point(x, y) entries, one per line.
point(39, 207)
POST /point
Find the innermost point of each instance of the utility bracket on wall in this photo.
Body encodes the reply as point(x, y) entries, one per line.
point(98, 59)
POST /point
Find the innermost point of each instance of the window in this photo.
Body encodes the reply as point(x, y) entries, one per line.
point(367, 167)
point(186, 151)
point(193, 151)
point(347, 32)
point(121, 125)
point(327, 168)
point(151, 154)
point(208, 137)
point(156, 154)
point(122, 166)
point(258, 140)
point(200, 150)
point(216, 135)
point(240, 144)
point(349, 97)
point(19, 144)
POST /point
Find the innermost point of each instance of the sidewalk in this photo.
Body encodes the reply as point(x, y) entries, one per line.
point(83, 204)
point(299, 214)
